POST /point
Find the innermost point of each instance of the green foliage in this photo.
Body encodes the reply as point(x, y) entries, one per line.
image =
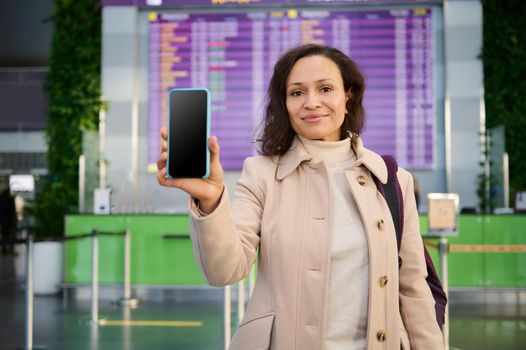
point(504, 60)
point(73, 90)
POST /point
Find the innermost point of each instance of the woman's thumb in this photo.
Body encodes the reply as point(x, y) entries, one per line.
point(213, 145)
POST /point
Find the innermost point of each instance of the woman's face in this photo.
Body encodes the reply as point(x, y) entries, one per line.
point(316, 98)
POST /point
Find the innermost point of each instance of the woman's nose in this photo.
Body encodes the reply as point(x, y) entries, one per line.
point(312, 101)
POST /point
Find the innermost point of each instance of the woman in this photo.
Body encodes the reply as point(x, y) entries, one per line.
point(309, 211)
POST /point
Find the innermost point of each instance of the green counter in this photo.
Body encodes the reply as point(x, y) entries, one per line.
point(486, 269)
point(157, 260)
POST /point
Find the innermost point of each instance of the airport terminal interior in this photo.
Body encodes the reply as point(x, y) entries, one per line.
point(192, 319)
point(96, 254)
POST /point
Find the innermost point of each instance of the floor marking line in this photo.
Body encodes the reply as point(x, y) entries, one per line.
point(151, 323)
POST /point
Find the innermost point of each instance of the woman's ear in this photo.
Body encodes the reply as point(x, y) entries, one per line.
point(348, 95)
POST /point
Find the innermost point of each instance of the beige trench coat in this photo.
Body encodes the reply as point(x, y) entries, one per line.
point(284, 208)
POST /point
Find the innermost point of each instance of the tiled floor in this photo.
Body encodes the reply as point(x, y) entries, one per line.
point(61, 324)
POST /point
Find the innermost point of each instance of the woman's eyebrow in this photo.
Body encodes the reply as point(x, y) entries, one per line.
point(317, 82)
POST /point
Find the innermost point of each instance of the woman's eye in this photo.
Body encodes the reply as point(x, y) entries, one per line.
point(326, 89)
point(295, 93)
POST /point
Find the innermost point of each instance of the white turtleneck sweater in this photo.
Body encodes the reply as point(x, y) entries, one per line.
point(349, 274)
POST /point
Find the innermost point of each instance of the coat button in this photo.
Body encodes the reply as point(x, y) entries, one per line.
point(381, 224)
point(383, 281)
point(381, 336)
point(361, 180)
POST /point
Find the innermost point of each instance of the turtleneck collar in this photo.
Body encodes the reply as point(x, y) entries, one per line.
point(330, 152)
point(297, 154)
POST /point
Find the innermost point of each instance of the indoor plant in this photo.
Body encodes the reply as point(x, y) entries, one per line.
point(73, 91)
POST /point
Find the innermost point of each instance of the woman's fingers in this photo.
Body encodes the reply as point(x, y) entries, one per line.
point(164, 181)
point(206, 190)
point(161, 161)
point(194, 187)
point(164, 139)
point(161, 175)
point(164, 133)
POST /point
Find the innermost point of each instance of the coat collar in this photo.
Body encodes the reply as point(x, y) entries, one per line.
point(297, 154)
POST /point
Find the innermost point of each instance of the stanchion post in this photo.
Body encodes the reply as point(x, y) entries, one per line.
point(226, 316)
point(240, 301)
point(251, 281)
point(444, 276)
point(29, 293)
point(127, 246)
point(82, 182)
point(95, 277)
point(443, 220)
point(127, 300)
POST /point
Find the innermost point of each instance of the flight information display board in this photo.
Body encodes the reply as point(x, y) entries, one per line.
point(252, 3)
point(233, 54)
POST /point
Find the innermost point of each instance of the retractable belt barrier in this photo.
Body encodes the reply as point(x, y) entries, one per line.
point(481, 248)
point(126, 300)
point(29, 242)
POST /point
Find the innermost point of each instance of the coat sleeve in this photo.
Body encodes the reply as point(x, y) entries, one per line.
point(416, 301)
point(225, 242)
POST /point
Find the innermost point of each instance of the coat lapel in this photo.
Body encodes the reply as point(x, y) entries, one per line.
point(292, 159)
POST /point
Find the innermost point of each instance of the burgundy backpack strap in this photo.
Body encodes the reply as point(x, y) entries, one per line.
point(393, 197)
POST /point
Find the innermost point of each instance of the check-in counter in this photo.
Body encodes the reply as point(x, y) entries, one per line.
point(489, 251)
point(161, 250)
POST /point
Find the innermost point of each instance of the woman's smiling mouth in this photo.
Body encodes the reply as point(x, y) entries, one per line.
point(311, 118)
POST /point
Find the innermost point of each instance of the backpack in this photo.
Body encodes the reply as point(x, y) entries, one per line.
point(393, 196)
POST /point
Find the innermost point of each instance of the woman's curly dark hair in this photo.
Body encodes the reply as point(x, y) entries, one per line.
point(277, 135)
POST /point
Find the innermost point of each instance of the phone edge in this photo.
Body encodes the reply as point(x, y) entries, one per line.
point(208, 107)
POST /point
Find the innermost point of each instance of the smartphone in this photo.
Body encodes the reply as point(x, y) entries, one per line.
point(188, 132)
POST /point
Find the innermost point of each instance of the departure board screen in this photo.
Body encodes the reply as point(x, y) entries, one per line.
point(233, 55)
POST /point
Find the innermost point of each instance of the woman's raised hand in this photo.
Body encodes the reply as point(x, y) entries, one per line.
point(207, 191)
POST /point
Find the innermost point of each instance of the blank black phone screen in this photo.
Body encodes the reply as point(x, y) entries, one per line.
point(187, 134)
